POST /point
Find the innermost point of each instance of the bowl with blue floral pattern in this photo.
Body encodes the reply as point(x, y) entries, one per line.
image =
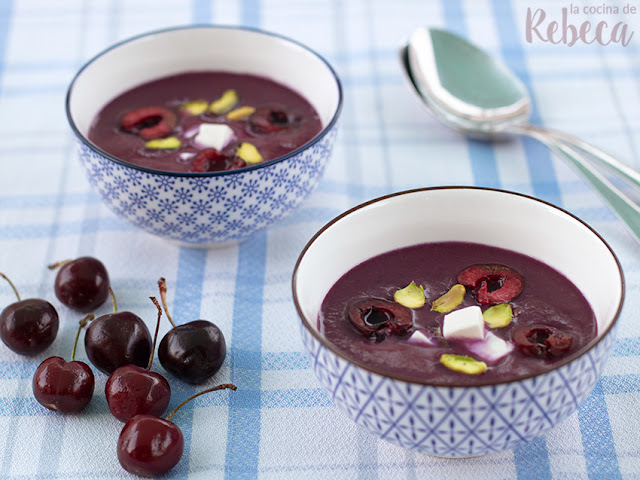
point(432, 388)
point(226, 185)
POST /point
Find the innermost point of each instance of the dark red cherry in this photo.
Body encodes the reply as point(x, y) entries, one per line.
point(541, 341)
point(492, 283)
point(28, 326)
point(378, 318)
point(149, 122)
point(150, 446)
point(132, 390)
point(81, 284)
point(211, 160)
point(272, 119)
point(194, 351)
point(117, 339)
point(65, 387)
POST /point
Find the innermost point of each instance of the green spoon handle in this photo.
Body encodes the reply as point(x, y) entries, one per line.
point(622, 205)
point(627, 173)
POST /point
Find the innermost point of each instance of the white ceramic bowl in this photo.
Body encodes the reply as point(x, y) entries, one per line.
point(201, 209)
point(458, 420)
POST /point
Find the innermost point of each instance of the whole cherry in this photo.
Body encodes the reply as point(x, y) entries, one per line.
point(150, 446)
point(81, 284)
point(65, 387)
point(117, 339)
point(28, 326)
point(193, 351)
point(132, 390)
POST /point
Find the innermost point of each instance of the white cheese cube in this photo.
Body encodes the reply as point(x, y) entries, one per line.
point(491, 348)
point(464, 323)
point(419, 338)
point(214, 135)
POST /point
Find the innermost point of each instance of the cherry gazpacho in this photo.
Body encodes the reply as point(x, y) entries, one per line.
point(204, 122)
point(456, 313)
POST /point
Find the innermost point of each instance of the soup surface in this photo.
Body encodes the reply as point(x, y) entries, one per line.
point(550, 318)
point(158, 124)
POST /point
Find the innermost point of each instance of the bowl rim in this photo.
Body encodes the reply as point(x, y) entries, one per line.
point(336, 351)
point(325, 130)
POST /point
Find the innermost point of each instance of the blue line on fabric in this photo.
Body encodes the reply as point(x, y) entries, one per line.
point(597, 439)
point(243, 440)
point(251, 13)
point(186, 307)
point(541, 169)
point(201, 11)
point(481, 154)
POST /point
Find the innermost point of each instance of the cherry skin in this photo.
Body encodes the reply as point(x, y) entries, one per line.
point(194, 351)
point(65, 387)
point(132, 390)
point(149, 446)
point(82, 284)
point(29, 326)
point(377, 318)
point(117, 339)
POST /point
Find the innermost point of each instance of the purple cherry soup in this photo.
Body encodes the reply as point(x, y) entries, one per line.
point(456, 313)
point(204, 122)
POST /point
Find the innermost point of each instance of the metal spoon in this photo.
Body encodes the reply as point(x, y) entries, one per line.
point(471, 92)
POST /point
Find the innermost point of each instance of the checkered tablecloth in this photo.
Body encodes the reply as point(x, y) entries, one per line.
point(280, 424)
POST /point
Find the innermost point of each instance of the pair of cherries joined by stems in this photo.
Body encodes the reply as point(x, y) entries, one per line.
point(30, 326)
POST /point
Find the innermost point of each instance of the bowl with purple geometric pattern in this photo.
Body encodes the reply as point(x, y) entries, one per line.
point(455, 419)
point(210, 208)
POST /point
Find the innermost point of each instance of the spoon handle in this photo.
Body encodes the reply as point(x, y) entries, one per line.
point(627, 173)
point(623, 206)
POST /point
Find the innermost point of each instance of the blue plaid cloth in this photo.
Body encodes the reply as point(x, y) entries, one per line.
point(280, 424)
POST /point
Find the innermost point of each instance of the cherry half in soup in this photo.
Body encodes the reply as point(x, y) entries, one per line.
point(132, 390)
point(61, 386)
point(117, 339)
point(150, 446)
point(194, 351)
point(30, 326)
point(81, 284)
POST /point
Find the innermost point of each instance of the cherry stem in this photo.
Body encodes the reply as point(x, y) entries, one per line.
point(53, 266)
point(212, 389)
point(162, 285)
point(113, 300)
point(83, 323)
point(155, 335)
point(15, 290)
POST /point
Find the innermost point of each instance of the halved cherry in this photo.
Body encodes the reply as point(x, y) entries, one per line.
point(541, 341)
point(149, 122)
point(378, 318)
point(271, 120)
point(492, 283)
point(211, 160)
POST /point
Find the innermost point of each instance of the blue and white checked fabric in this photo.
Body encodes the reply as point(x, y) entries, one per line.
point(280, 424)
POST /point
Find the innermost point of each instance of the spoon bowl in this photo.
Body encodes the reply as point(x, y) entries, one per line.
point(468, 90)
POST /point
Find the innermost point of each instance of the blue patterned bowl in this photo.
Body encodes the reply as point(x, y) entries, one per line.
point(202, 209)
point(458, 420)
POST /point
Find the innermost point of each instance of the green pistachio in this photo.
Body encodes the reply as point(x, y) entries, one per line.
point(169, 143)
point(240, 113)
point(225, 103)
point(195, 107)
point(450, 300)
point(411, 296)
point(463, 364)
point(249, 153)
point(498, 316)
